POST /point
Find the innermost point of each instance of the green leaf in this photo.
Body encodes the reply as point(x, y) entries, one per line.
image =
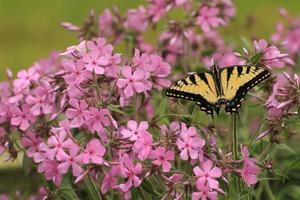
point(27, 165)
point(116, 109)
point(146, 186)
point(246, 42)
point(66, 190)
point(256, 58)
point(92, 191)
point(286, 148)
point(134, 193)
point(289, 168)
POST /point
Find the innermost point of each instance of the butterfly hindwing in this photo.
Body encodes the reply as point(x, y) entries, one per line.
point(237, 81)
point(198, 87)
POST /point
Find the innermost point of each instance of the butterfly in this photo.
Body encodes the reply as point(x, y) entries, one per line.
point(218, 87)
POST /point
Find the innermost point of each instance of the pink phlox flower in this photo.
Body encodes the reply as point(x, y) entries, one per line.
point(157, 9)
point(107, 23)
point(137, 19)
point(5, 90)
point(208, 174)
point(19, 94)
point(133, 130)
point(144, 46)
point(75, 50)
point(280, 82)
point(22, 117)
point(278, 35)
point(292, 41)
point(143, 145)
point(31, 142)
point(223, 60)
point(208, 18)
point(76, 72)
point(134, 82)
point(79, 114)
point(180, 2)
point(272, 57)
point(101, 59)
point(50, 170)
point(42, 194)
point(162, 157)
point(140, 60)
point(189, 143)
point(93, 153)
point(227, 9)
point(110, 180)
point(130, 172)
point(172, 129)
point(25, 78)
point(58, 143)
point(159, 70)
point(204, 193)
point(40, 101)
point(70, 160)
point(47, 65)
point(2, 140)
point(285, 94)
point(175, 178)
point(149, 109)
point(99, 118)
point(94, 62)
point(113, 68)
point(99, 45)
point(173, 45)
point(5, 110)
point(4, 197)
point(250, 169)
point(214, 40)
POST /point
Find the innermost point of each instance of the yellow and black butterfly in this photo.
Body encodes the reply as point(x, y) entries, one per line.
point(219, 86)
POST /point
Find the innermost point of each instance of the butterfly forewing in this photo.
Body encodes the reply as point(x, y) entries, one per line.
point(199, 87)
point(236, 81)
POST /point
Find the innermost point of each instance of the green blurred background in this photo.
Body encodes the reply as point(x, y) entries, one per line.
point(30, 29)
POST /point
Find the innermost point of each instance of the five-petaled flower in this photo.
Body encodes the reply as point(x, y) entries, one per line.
point(93, 153)
point(133, 130)
point(22, 117)
point(130, 172)
point(162, 157)
point(189, 143)
point(208, 174)
point(208, 18)
point(79, 114)
point(250, 169)
point(134, 82)
point(72, 159)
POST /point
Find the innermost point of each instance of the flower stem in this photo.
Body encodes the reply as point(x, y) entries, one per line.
point(92, 188)
point(235, 139)
point(141, 193)
point(256, 132)
point(235, 150)
point(97, 87)
point(269, 191)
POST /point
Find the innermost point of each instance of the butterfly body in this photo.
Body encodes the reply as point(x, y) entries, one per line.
point(218, 87)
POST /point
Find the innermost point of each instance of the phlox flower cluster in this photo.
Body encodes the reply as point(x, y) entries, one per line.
point(91, 115)
point(58, 107)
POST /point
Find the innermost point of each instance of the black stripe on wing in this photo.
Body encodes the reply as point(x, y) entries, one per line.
point(200, 101)
point(234, 105)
